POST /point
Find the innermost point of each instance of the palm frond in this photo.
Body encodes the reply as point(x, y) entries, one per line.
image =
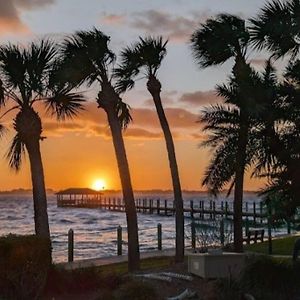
point(15, 153)
point(85, 57)
point(39, 58)
point(13, 67)
point(217, 115)
point(147, 54)
point(65, 104)
point(2, 130)
point(123, 113)
point(219, 39)
point(127, 71)
point(274, 28)
point(221, 168)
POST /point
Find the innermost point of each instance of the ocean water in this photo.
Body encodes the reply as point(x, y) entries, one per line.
point(94, 229)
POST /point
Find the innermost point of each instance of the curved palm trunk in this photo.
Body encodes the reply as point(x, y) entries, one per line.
point(154, 88)
point(131, 216)
point(29, 127)
point(239, 185)
point(38, 188)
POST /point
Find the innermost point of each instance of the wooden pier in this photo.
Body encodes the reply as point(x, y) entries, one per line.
point(195, 209)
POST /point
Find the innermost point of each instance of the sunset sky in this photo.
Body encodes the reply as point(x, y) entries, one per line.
point(77, 153)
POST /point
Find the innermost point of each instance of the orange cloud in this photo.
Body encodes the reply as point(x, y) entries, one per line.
point(10, 20)
point(145, 125)
point(200, 98)
point(113, 19)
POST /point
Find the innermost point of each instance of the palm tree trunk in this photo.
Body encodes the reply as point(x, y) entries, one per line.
point(131, 216)
point(154, 88)
point(39, 192)
point(239, 185)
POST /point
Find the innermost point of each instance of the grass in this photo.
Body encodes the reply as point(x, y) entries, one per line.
point(146, 264)
point(108, 278)
point(281, 246)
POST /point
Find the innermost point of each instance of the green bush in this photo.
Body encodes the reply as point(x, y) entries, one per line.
point(272, 278)
point(24, 264)
point(265, 278)
point(62, 281)
point(136, 290)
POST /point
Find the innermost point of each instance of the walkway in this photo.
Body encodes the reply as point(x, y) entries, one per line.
point(97, 262)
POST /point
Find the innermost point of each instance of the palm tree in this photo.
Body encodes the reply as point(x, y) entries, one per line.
point(26, 79)
point(146, 57)
point(86, 58)
point(277, 28)
point(215, 42)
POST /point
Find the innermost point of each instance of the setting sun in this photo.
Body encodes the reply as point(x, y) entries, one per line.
point(99, 184)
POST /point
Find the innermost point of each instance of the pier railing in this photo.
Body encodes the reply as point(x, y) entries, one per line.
point(217, 233)
point(195, 209)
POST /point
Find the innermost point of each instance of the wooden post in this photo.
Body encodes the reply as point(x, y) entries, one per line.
point(226, 209)
point(222, 208)
point(247, 226)
point(193, 233)
point(192, 209)
point(158, 206)
point(166, 207)
point(288, 226)
point(173, 207)
point(119, 240)
point(203, 217)
point(200, 209)
point(214, 210)
point(210, 209)
point(222, 233)
point(261, 212)
point(159, 237)
point(254, 213)
point(70, 245)
point(270, 246)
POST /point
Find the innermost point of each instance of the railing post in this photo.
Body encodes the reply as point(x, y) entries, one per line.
point(254, 213)
point(119, 240)
point(214, 210)
point(246, 226)
point(222, 235)
point(70, 245)
point(270, 247)
point(159, 237)
point(193, 233)
point(222, 208)
point(288, 226)
point(158, 206)
point(261, 212)
point(166, 207)
point(192, 209)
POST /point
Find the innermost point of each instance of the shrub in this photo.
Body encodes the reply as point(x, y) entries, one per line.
point(24, 264)
point(62, 281)
point(136, 290)
point(265, 278)
point(272, 278)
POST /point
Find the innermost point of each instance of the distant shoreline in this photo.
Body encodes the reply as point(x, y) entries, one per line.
point(153, 191)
